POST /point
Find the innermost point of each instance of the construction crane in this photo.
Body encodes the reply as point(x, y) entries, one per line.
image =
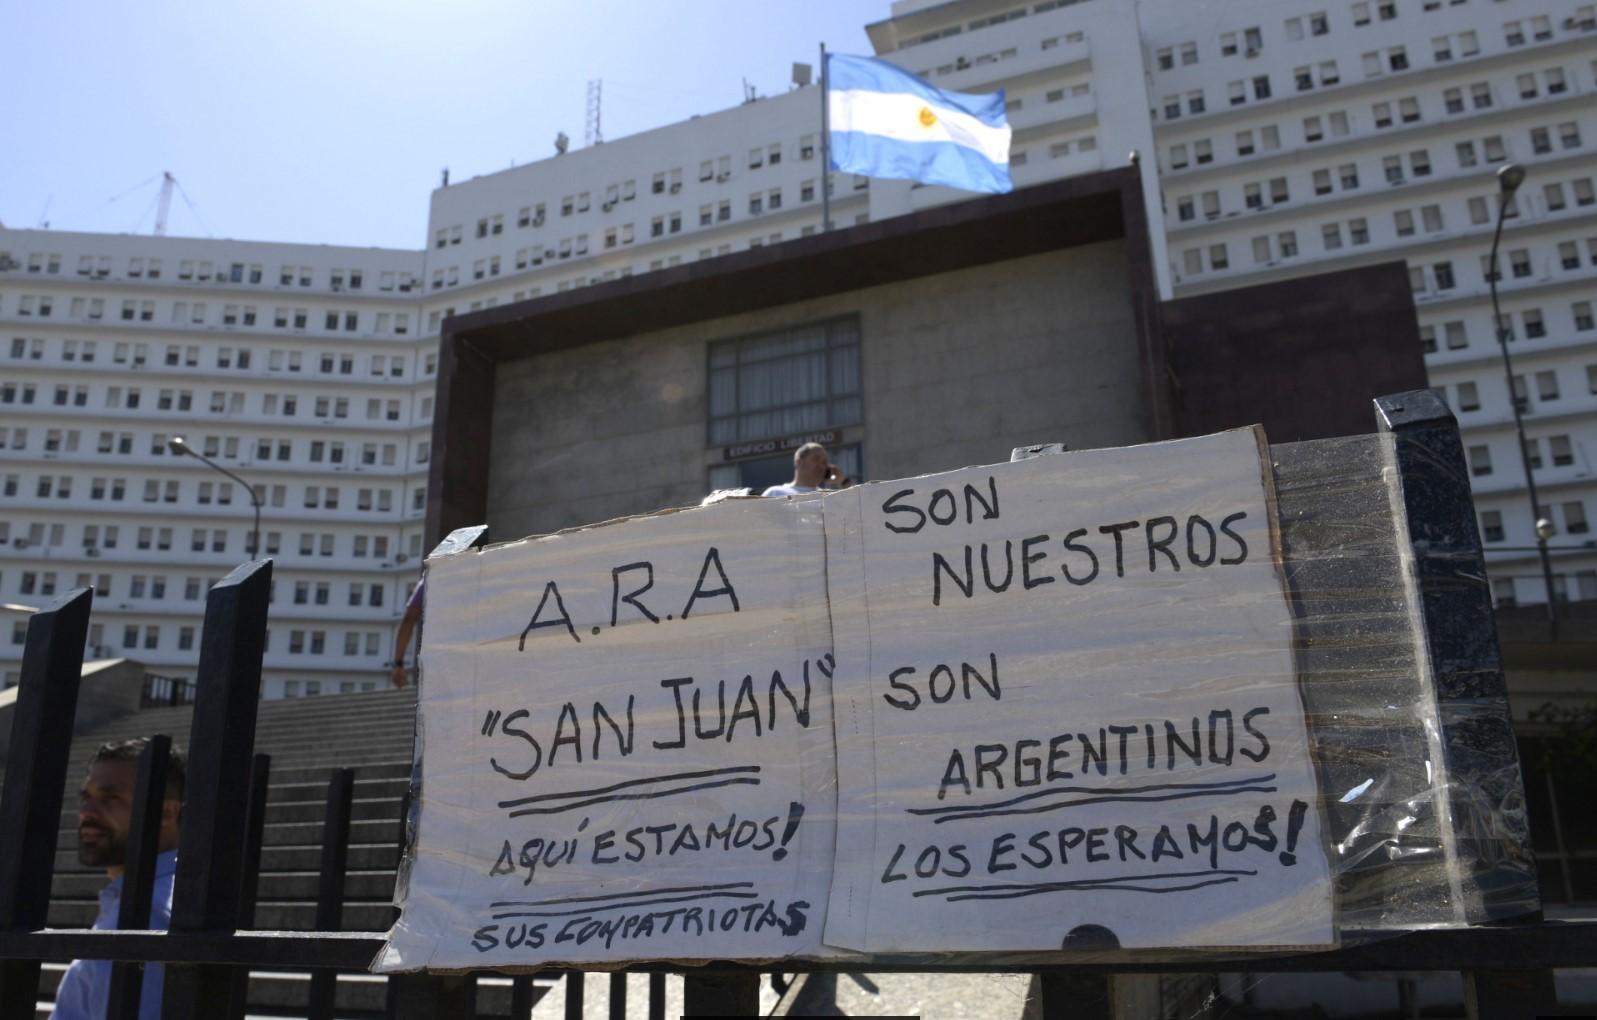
point(165, 204)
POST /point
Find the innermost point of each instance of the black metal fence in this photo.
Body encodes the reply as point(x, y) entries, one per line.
point(1507, 966)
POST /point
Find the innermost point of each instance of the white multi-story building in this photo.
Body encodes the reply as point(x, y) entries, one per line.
point(1275, 138)
point(298, 368)
point(1296, 137)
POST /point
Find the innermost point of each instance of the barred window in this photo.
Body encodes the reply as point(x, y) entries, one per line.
point(786, 382)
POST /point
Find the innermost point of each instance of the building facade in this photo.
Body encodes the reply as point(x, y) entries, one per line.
point(300, 369)
point(1274, 139)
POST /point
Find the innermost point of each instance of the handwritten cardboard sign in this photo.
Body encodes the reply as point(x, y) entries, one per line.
point(1065, 697)
point(973, 711)
point(627, 746)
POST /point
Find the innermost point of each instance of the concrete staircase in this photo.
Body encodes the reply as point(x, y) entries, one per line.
point(307, 739)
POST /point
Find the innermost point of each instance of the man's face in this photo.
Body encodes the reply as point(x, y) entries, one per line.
point(811, 468)
point(105, 812)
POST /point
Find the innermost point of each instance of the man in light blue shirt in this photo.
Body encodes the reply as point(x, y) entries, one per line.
point(105, 814)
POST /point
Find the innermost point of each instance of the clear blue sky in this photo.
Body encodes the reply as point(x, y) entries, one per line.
point(329, 121)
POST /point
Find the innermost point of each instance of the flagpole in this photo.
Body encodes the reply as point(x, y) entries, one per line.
point(826, 151)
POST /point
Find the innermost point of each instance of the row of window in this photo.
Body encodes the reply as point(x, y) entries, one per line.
point(986, 21)
point(1387, 113)
point(323, 497)
point(198, 313)
point(1467, 398)
point(1249, 42)
point(621, 235)
point(717, 170)
point(204, 540)
point(380, 366)
point(1573, 516)
point(235, 402)
point(1531, 324)
point(203, 270)
point(300, 642)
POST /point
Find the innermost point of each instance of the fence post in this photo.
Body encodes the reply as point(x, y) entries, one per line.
point(1489, 825)
point(206, 891)
point(721, 993)
point(138, 876)
point(656, 995)
point(249, 882)
point(330, 891)
point(36, 774)
point(618, 996)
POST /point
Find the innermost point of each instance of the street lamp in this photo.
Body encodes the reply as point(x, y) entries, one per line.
point(180, 446)
point(1509, 177)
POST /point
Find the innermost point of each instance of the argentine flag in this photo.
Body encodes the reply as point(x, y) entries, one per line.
point(886, 122)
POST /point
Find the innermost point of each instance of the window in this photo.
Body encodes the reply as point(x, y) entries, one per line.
point(1569, 135)
point(1261, 87)
point(1535, 325)
point(1468, 397)
point(1287, 242)
point(1547, 385)
point(1331, 236)
point(1561, 451)
point(1575, 518)
point(1443, 273)
point(1480, 460)
point(1403, 220)
point(1313, 130)
point(780, 383)
point(1348, 176)
point(1492, 525)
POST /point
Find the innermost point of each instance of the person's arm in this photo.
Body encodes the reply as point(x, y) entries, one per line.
point(407, 625)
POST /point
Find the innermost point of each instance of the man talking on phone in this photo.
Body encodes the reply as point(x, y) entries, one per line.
point(811, 470)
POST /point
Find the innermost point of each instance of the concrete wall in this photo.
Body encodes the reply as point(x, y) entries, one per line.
point(109, 689)
point(958, 368)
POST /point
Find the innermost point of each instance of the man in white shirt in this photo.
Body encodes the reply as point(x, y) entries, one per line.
point(105, 815)
point(811, 469)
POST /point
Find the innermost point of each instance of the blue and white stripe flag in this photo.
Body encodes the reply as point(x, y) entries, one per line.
point(885, 122)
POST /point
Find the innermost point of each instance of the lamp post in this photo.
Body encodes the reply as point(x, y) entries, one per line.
point(180, 446)
point(1509, 177)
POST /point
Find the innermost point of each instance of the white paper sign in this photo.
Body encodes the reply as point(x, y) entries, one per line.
point(627, 746)
point(1066, 698)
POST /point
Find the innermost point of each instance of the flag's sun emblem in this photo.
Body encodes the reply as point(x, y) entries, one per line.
point(927, 117)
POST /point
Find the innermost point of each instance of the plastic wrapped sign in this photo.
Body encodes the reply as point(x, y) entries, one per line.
point(1066, 698)
point(627, 746)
